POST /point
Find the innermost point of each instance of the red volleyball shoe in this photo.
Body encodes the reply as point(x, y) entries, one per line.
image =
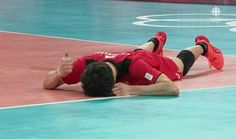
point(161, 37)
point(213, 54)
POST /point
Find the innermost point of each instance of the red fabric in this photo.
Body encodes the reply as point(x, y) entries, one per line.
point(74, 76)
point(146, 62)
point(80, 64)
point(144, 69)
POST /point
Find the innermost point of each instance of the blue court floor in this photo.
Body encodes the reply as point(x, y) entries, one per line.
point(206, 114)
point(200, 113)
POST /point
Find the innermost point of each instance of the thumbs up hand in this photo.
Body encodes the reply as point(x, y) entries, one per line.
point(66, 66)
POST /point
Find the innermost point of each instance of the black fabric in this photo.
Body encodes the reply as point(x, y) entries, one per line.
point(156, 43)
point(188, 59)
point(122, 68)
point(204, 47)
point(137, 49)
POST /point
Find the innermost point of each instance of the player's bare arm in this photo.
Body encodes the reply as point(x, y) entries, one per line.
point(163, 87)
point(54, 78)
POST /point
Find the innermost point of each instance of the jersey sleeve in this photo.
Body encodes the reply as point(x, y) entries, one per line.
point(141, 70)
point(74, 76)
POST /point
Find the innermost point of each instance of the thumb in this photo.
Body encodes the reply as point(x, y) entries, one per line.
point(66, 57)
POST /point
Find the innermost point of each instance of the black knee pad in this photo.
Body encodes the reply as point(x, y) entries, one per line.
point(188, 59)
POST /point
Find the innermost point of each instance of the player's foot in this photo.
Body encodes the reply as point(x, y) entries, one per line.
point(161, 38)
point(213, 54)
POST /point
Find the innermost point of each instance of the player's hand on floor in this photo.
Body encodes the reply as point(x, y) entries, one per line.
point(121, 89)
point(66, 66)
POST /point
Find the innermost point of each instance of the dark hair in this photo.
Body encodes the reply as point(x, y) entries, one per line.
point(97, 80)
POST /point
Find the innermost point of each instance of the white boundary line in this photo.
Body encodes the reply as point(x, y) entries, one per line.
point(94, 99)
point(64, 38)
point(147, 19)
point(62, 102)
point(75, 39)
point(209, 88)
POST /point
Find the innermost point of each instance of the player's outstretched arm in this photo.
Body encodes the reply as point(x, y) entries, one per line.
point(54, 78)
point(163, 87)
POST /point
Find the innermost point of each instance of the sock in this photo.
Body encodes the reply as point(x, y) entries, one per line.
point(156, 43)
point(204, 47)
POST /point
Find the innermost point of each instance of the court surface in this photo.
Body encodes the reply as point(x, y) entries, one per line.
point(35, 34)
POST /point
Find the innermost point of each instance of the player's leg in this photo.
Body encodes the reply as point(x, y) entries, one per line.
point(187, 57)
point(155, 44)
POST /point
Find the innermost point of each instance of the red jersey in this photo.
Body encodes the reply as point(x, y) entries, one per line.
point(138, 67)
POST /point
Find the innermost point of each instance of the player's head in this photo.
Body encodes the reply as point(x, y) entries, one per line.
point(98, 79)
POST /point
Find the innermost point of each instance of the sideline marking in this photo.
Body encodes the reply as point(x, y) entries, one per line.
point(94, 99)
point(64, 38)
point(75, 39)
